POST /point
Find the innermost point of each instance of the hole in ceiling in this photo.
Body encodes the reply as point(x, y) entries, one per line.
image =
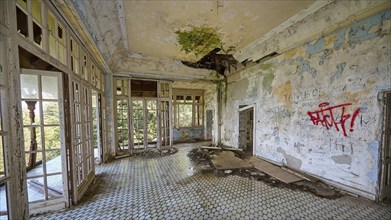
point(205, 42)
point(199, 40)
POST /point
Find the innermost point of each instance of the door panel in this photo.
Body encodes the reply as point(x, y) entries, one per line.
point(83, 151)
point(43, 127)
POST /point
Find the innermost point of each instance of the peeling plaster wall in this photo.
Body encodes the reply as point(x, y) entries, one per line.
point(322, 22)
point(152, 67)
point(347, 68)
point(188, 134)
point(210, 103)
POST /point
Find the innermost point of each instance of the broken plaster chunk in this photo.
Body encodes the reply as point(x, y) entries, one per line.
point(228, 171)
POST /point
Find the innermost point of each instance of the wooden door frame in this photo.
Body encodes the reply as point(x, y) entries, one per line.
point(246, 108)
point(58, 203)
point(382, 177)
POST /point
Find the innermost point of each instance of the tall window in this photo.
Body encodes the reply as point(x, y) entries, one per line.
point(188, 108)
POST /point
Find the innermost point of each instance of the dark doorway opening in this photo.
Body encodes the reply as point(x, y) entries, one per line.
point(246, 129)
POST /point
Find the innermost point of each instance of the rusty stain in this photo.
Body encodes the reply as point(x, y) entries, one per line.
point(282, 92)
point(300, 51)
point(355, 96)
point(329, 41)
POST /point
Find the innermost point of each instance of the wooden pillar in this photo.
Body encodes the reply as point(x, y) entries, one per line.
point(33, 135)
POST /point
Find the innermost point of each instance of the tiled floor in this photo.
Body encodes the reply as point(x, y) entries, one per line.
point(171, 187)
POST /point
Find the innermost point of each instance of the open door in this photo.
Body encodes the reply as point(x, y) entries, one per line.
point(43, 129)
point(83, 148)
point(385, 188)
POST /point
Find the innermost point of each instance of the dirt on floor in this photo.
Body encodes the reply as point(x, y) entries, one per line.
point(152, 152)
point(202, 158)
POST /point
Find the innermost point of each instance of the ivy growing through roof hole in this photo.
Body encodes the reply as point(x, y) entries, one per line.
point(199, 40)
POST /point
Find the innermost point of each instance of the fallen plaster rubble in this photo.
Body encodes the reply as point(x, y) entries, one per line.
point(232, 161)
point(151, 152)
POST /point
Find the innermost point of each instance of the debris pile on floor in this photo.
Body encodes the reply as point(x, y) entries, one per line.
point(231, 161)
point(154, 152)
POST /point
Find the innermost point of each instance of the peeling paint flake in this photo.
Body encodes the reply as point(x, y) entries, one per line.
point(267, 82)
point(337, 75)
point(316, 47)
point(342, 159)
point(304, 66)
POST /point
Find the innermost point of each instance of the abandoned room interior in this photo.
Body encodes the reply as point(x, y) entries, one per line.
point(106, 107)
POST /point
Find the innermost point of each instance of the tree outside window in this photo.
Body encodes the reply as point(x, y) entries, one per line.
point(188, 108)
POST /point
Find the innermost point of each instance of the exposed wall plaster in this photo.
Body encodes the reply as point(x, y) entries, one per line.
point(321, 14)
point(342, 71)
point(164, 68)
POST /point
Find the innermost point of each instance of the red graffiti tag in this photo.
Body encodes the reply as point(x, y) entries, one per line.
point(326, 117)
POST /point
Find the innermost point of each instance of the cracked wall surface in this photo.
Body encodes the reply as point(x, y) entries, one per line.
point(317, 107)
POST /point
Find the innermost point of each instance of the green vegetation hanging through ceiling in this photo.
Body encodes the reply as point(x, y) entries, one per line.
point(199, 40)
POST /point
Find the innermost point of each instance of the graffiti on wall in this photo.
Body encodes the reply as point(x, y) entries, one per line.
point(334, 116)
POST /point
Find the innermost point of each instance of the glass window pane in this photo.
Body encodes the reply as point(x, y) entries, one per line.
point(35, 189)
point(51, 113)
point(28, 132)
point(51, 24)
point(185, 115)
point(31, 113)
point(36, 9)
point(151, 104)
point(52, 139)
point(61, 54)
point(49, 87)
point(52, 46)
point(37, 170)
point(33, 162)
point(137, 104)
point(53, 161)
point(3, 201)
point(55, 186)
point(2, 159)
point(29, 86)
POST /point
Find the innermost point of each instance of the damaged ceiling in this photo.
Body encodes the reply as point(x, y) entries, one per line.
point(141, 37)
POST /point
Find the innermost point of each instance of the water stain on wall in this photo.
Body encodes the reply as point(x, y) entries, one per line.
point(283, 92)
point(267, 82)
point(292, 161)
point(342, 159)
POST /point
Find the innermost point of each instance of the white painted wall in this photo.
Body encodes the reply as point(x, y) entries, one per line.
point(351, 66)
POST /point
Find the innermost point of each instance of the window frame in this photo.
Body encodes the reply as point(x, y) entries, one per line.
point(197, 107)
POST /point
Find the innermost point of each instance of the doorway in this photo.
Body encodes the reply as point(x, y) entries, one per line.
point(385, 188)
point(43, 129)
point(144, 116)
point(246, 129)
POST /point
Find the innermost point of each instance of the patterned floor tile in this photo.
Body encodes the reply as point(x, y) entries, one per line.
point(171, 187)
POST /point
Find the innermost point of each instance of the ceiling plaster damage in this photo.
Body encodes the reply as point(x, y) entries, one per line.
point(152, 39)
